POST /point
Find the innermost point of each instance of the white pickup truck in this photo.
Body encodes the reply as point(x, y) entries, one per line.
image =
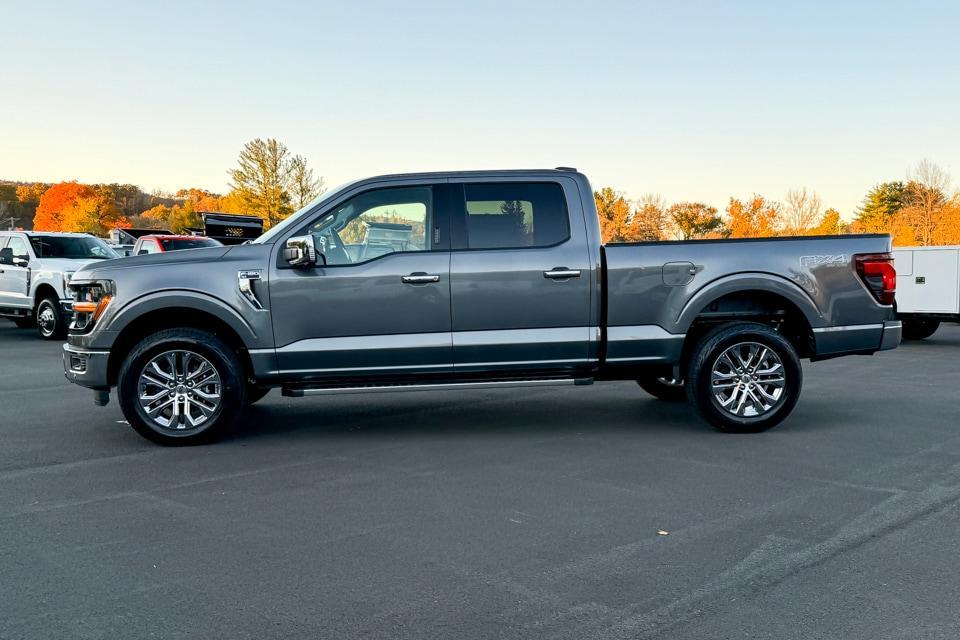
point(35, 268)
point(928, 288)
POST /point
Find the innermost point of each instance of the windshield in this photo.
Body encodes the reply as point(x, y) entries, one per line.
point(280, 228)
point(72, 247)
point(187, 243)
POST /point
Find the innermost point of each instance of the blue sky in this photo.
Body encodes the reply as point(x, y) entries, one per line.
point(691, 100)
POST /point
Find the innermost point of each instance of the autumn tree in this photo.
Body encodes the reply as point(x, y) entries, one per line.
point(831, 224)
point(924, 198)
point(695, 220)
point(649, 221)
point(30, 193)
point(269, 182)
point(95, 214)
point(304, 187)
point(801, 212)
point(948, 231)
point(756, 217)
point(55, 200)
point(614, 212)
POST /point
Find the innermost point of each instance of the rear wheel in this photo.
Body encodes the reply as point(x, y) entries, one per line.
point(744, 377)
point(50, 322)
point(181, 387)
point(664, 388)
point(919, 328)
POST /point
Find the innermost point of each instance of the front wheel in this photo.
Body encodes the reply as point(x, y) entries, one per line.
point(181, 387)
point(919, 329)
point(50, 322)
point(744, 377)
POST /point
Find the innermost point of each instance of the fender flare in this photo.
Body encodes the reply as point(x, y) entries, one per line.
point(750, 281)
point(194, 300)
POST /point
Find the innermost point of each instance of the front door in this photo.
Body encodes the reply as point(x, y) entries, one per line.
point(15, 279)
point(520, 279)
point(381, 304)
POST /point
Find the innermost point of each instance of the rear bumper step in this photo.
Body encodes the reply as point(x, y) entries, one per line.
point(301, 391)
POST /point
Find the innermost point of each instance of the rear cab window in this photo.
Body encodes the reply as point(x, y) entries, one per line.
point(514, 215)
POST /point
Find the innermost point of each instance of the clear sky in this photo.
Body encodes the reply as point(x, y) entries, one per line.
point(691, 100)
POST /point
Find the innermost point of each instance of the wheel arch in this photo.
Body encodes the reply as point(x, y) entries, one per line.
point(753, 297)
point(153, 319)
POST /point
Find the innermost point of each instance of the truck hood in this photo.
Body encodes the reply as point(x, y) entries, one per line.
point(100, 268)
point(62, 264)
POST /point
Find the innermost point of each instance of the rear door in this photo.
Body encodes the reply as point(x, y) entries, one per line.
point(380, 306)
point(520, 277)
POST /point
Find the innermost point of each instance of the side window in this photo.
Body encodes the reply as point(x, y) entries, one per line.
point(148, 246)
point(376, 223)
point(3, 241)
point(19, 247)
point(509, 215)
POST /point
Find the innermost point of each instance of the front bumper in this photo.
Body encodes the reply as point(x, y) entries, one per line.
point(86, 367)
point(892, 333)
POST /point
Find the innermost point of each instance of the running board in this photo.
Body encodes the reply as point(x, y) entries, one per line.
point(301, 391)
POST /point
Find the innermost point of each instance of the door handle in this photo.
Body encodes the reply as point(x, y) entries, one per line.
point(419, 278)
point(561, 273)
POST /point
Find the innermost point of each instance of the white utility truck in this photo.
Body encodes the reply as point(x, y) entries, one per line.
point(928, 288)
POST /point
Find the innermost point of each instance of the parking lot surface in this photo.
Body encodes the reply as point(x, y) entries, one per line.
point(510, 514)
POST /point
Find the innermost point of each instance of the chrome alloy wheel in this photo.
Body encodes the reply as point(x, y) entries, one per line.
point(747, 380)
point(179, 390)
point(47, 320)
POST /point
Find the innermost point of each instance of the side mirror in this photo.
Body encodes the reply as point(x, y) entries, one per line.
point(142, 252)
point(6, 256)
point(301, 252)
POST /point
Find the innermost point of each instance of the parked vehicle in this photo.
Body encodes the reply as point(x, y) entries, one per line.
point(35, 268)
point(230, 228)
point(501, 280)
point(164, 243)
point(928, 289)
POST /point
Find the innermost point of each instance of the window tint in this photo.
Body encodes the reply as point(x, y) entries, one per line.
point(375, 223)
point(19, 247)
point(188, 243)
point(71, 247)
point(507, 215)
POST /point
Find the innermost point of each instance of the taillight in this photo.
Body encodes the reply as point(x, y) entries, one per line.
point(877, 272)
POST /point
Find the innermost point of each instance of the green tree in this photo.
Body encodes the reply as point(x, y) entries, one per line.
point(696, 220)
point(880, 205)
point(830, 225)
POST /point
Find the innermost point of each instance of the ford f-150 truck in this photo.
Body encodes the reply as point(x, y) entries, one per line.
point(471, 279)
point(35, 268)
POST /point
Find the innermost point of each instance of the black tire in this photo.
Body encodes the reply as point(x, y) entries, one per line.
point(220, 356)
point(25, 323)
point(255, 394)
point(663, 388)
point(738, 337)
point(51, 325)
point(919, 328)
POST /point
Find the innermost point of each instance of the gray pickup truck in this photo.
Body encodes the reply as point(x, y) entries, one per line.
point(471, 279)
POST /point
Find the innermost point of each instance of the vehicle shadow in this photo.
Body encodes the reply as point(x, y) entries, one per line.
point(429, 414)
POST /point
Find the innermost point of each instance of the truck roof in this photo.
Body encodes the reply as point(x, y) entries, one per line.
point(34, 232)
point(472, 173)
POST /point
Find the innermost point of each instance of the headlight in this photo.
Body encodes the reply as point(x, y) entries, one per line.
point(90, 300)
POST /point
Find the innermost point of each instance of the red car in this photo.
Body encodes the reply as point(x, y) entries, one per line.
point(160, 244)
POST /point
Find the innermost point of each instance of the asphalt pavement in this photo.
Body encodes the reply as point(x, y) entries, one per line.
point(526, 513)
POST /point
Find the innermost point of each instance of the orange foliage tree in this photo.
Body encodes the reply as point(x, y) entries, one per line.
point(753, 218)
point(70, 206)
point(53, 202)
